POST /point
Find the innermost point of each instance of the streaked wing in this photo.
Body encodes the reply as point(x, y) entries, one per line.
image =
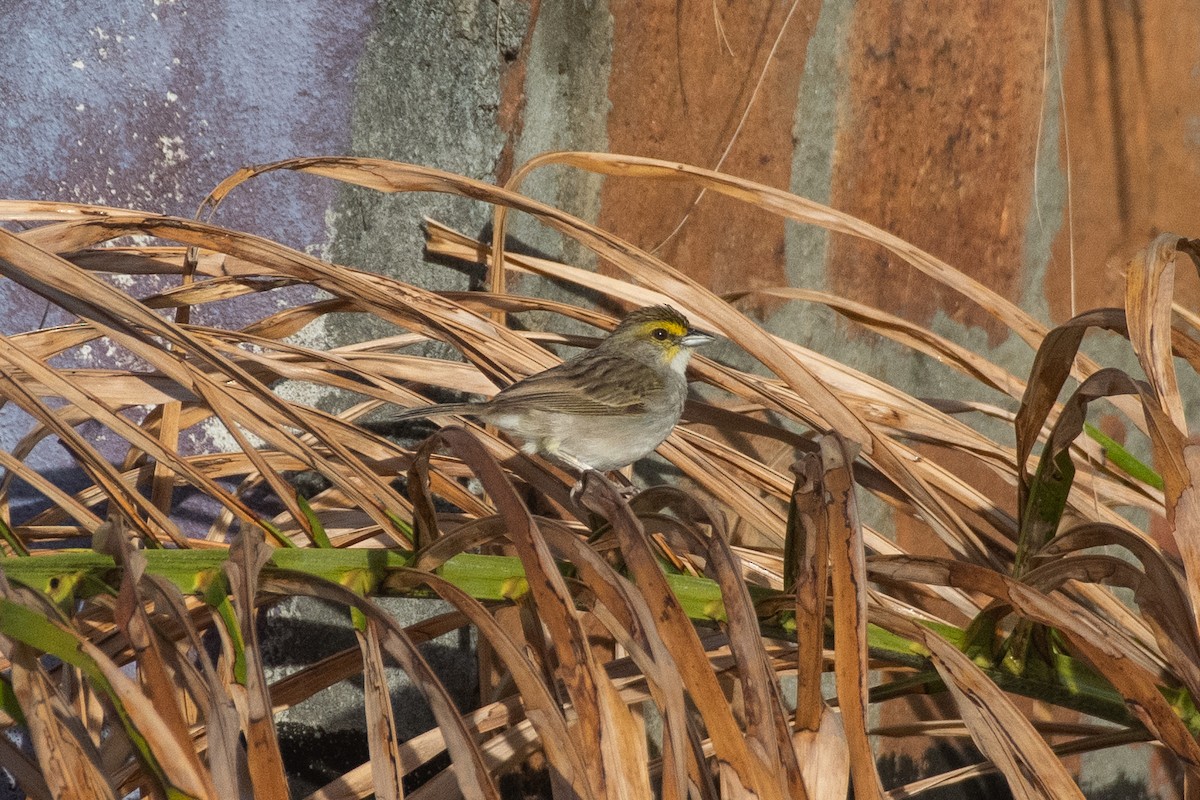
point(604, 387)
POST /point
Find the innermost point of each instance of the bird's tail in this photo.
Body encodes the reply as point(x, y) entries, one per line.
point(439, 410)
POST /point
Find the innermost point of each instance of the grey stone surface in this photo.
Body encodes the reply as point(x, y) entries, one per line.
point(427, 92)
point(150, 105)
point(566, 108)
point(814, 130)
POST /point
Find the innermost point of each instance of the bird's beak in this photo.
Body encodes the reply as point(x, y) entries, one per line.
point(696, 337)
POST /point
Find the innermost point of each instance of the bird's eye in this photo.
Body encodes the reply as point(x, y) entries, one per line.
point(660, 333)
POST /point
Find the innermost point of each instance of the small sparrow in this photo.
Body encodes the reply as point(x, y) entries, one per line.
point(604, 408)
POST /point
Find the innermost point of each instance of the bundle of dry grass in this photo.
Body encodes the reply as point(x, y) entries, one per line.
point(775, 564)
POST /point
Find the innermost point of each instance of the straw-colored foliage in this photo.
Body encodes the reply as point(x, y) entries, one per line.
point(713, 607)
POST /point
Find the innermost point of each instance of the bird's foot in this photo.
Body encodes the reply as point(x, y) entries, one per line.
point(626, 493)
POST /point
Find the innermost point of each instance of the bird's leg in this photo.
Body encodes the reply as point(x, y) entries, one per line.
point(626, 492)
point(571, 461)
point(568, 460)
point(596, 494)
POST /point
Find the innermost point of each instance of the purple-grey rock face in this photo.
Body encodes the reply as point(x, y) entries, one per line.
point(150, 104)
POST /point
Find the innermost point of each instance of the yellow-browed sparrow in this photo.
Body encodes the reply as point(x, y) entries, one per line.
point(604, 408)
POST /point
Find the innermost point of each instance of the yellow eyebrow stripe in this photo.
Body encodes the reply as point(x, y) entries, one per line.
point(674, 328)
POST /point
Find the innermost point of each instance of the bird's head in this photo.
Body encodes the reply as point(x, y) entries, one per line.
point(658, 335)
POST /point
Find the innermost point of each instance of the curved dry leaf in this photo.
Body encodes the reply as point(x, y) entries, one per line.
point(1150, 285)
point(625, 613)
point(264, 760)
point(1160, 596)
point(70, 765)
point(382, 739)
point(1184, 514)
point(906, 333)
point(1109, 658)
point(766, 718)
point(848, 572)
point(1001, 731)
point(677, 632)
point(800, 209)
